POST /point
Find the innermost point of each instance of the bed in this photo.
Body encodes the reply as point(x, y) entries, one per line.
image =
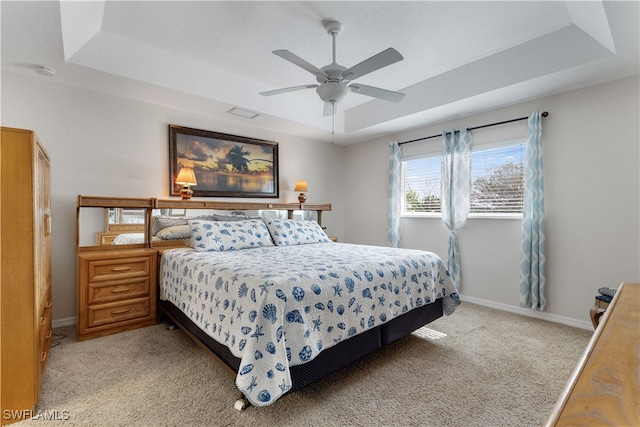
point(128, 239)
point(281, 305)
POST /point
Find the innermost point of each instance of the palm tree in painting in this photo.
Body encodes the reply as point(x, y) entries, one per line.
point(238, 160)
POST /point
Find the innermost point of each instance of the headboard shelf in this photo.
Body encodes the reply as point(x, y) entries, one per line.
point(114, 202)
point(232, 206)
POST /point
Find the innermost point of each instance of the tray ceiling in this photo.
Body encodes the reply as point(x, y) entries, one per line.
point(208, 57)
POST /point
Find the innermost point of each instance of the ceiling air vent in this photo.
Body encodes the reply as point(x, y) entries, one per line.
point(243, 113)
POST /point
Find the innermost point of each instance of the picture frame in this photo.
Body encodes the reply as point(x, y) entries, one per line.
point(224, 165)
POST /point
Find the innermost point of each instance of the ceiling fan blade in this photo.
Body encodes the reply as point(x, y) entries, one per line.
point(381, 60)
point(376, 92)
point(287, 89)
point(329, 109)
point(296, 60)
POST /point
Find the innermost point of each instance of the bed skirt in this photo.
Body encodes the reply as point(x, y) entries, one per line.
point(330, 359)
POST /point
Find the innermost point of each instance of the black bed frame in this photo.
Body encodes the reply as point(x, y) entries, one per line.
point(330, 359)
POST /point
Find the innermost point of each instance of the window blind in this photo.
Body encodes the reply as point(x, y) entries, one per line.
point(497, 187)
point(497, 176)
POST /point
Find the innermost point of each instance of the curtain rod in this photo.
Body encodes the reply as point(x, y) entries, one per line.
point(544, 114)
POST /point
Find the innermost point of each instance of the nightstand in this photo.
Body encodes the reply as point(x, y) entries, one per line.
point(116, 291)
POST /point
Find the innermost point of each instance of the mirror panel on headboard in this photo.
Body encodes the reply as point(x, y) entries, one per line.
point(198, 205)
point(104, 223)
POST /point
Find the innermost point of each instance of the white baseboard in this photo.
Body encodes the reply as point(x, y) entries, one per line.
point(530, 313)
point(63, 322)
point(491, 304)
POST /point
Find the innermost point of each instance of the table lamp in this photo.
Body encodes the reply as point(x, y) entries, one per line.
point(301, 186)
point(186, 178)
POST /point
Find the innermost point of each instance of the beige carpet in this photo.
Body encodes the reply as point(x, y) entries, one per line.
point(478, 367)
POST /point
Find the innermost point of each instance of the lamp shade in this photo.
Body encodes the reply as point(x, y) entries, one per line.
point(301, 186)
point(186, 176)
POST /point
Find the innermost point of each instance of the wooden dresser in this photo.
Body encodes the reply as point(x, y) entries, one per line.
point(605, 387)
point(25, 291)
point(116, 284)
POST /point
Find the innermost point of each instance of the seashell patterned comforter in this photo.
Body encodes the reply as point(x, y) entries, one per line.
point(280, 306)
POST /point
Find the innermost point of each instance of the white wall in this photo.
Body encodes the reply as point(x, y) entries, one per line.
point(591, 159)
point(104, 145)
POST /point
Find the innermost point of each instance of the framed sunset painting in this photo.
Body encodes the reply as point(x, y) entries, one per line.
point(224, 165)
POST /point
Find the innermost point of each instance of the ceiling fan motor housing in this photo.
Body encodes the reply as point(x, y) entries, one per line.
point(332, 73)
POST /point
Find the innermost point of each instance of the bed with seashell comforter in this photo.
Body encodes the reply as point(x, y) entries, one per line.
point(282, 305)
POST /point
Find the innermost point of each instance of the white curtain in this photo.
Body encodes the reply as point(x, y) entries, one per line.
point(456, 192)
point(395, 194)
point(533, 260)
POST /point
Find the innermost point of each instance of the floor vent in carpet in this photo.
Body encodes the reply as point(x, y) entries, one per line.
point(425, 332)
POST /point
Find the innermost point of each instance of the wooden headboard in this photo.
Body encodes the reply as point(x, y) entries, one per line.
point(106, 234)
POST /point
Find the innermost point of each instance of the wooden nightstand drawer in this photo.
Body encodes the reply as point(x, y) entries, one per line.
point(118, 268)
point(115, 291)
point(116, 312)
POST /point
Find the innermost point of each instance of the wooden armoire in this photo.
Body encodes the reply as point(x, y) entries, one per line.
point(25, 287)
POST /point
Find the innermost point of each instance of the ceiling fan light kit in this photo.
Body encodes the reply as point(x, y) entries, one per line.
point(334, 79)
point(333, 92)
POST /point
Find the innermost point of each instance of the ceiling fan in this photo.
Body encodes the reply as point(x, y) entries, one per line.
point(335, 80)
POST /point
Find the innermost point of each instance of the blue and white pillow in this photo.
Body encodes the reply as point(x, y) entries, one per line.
point(288, 232)
point(229, 235)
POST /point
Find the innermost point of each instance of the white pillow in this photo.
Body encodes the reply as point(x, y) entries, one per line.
point(175, 232)
point(229, 235)
point(288, 232)
point(166, 221)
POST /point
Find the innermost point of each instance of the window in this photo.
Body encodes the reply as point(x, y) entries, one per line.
point(497, 181)
point(421, 185)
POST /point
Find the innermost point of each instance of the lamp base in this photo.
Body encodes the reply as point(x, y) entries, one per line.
point(302, 198)
point(186, 193)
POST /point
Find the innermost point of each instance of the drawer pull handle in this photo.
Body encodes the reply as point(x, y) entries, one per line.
point(43, 320)
point(49, 333)
point(124, 310)
point(123, 268)
point(115, 291)
point(43, 356)
point(47, 224)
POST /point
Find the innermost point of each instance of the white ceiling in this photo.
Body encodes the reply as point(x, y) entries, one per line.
point(210, 56)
